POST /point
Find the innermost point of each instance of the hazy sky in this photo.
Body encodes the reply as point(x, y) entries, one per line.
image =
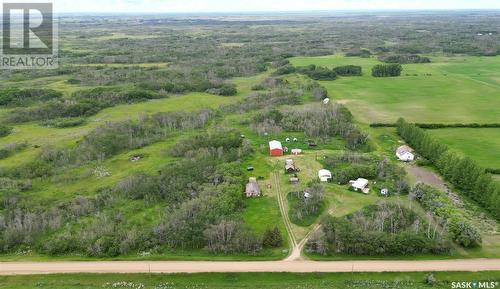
point(173, 6)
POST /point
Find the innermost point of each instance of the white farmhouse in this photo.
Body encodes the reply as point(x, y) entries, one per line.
point(325, 175)
point(360, 185)
point(405, 154)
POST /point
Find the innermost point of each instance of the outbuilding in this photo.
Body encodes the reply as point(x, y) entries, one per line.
point(360, 185)
point(252, 188)
point(296, 152)
point(275, 148)
point(325, 175)
point(405, 154)
point(290, 167)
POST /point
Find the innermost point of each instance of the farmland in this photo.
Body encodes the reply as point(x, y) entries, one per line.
point(137, 150)
point(448, 90)
point(482, 145)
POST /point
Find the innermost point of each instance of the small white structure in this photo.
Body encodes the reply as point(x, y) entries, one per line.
point(287, 139)
point(360, 185)
point(384, 192)
point(325, 175)
point(307, 195)
point(296, 152)
point(405, 154)
point(295, 139)
point(326, 101)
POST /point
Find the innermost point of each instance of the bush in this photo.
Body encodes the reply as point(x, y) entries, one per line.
point(5, 130)
point(64, 122)
point(272, 238)
point(438, 203)
point(286, 69)
point(387, 70)
point(349, 70)
point(317, 72)
point(404, 59)
point(224, 90)
point(22, 96)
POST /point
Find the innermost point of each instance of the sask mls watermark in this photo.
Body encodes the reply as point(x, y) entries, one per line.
point(29, 36)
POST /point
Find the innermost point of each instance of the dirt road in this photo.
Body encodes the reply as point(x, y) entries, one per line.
point(23, 268)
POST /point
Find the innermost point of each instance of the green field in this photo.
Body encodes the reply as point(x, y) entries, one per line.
point(482, 145)
point(448, 90)
point(246, 280)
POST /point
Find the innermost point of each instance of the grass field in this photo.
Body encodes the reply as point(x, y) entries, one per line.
point(482, 145)
point(448, 90)
point(246, 280)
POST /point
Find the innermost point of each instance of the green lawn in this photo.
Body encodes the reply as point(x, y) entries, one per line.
point(449, 90)
point(482, 145)
point(244, 280)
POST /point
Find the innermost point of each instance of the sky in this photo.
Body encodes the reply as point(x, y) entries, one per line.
point(196, 6)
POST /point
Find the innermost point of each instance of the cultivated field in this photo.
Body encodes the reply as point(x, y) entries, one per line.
point(457, 89)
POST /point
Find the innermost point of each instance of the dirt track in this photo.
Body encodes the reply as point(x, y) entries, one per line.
point(20, 268)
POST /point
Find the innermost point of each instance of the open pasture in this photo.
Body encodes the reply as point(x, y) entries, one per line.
point(460, 89)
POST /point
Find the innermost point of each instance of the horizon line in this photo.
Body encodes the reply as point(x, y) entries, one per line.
point(283, 11)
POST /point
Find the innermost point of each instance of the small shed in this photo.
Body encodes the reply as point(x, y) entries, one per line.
point(275, 148)
point(384, 192)
point(360, 185)
point(405, 154)
point(296, 152)
point(252, 188)
point(290, 166)
point(325, 175)
point(294, 180)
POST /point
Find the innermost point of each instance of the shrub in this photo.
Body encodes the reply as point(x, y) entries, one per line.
point(21, 96)
point(387, 70)
point(405, 59)
point(438, 203)
point(272, 238)
point(5, 130)
point(349, 70)
point(64, 122)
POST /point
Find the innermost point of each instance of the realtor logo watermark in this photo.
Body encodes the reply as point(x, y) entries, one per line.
point(475, 285)
point(29, 36)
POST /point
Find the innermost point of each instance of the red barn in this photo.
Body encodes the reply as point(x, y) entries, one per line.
point(275, 148)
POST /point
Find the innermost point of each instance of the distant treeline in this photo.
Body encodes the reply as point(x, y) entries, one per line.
point(387, 70)
point(463, 173)
point(441, 125)
point(404, 59)
point(312, 71)
point(320, 72)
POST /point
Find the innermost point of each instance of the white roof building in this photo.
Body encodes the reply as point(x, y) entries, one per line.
point(274, 144)
point(405, 154)
point(360, 185)
point(325, 175)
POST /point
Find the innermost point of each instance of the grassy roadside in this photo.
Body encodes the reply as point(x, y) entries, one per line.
point(245, 280)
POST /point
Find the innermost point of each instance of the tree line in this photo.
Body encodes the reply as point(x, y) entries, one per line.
point(379, 230)
point(438, 203)
point(462, 172)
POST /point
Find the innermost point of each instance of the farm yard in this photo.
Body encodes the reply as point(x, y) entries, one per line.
point(147, 159)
